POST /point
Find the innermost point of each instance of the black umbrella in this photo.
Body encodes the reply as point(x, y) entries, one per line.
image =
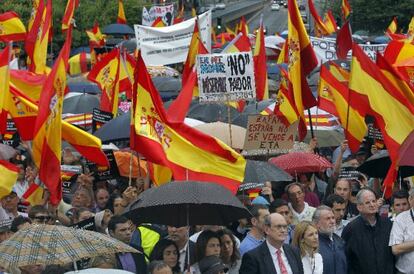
point(241, 120)
point(378, 165)
point(86, 87)
point(211, 112)
point(167, 83)
point(82, 103)
point(187, 203)
point(115, 130)
point(118, 29)
point(260, 172)
point(257, 107)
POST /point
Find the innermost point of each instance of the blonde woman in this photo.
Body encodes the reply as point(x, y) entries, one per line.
point(306, 239)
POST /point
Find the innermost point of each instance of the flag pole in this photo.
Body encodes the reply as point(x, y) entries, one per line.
point(229, 120)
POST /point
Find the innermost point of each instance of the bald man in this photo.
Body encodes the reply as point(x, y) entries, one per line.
point(273, 256)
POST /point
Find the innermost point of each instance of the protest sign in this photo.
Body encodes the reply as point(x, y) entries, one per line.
point(169, 45)
point(226, 77)
point(105, 173)
point(268, 132)
point(165, 12)
point(325, 49)
point(99, 118)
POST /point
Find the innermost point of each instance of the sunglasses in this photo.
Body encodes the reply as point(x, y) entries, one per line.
point(42, 218)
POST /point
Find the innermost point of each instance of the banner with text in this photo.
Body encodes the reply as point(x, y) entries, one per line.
point(269, 132)
point(165, 12)
point(226, 77)
point(325, 49)
point(169, 45)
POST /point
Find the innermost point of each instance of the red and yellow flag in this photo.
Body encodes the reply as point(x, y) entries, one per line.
point(180, 15)
point(344, 41)
point(71, 6)
point(352, 121)
point(34, 194)
point(260, 67)
point(28, 83)
point(302, 60)
point(393, 113)
point(322, 28)
point(47, 139)
point(410, 31)
point(8, 177)
point(196, 47)
point(392, 28)
point(174, 144)
point(158, 23)
point(325, 99)
point(38, 37)
point(121, 13)
point(96, 38)
point(4, 87)
point(106, 74)
point(242, 27)
point(79, 63)
point(12, 28)
point(35, 8)
point(346, 9)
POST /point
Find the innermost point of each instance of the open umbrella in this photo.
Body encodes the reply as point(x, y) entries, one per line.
point(301, 162)
point(167, 83)
point(377, 166)
point(52, 244)
point(222, 132)
point(257, 107)
point(211, 112)
point(118, 29)
point(187, 203)
point(260, 172)
point(80, 103)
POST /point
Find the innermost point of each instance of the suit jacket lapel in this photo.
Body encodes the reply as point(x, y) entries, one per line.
point(267, 259)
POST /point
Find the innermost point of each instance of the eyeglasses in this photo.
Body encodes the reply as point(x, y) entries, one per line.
point(280, 227)
point(42, 218)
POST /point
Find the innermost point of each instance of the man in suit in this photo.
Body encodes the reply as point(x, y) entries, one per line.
point(119, 227)
point(273, 256)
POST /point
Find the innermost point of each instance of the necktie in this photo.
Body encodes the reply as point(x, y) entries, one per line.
point(280, 262)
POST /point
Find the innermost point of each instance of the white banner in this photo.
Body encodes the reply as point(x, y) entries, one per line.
point(226, 77)
point(169, 45)
point(165, 12)
point(325, 49)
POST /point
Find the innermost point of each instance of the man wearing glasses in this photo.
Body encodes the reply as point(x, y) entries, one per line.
point(273, 256)
point(39, 215)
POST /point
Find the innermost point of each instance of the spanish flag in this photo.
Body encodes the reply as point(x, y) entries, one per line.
point(302, 60)
point(346, 8)
point(392, 28)
point(242, 27)
point(126, 74)
point(158, 23)
point(330, 22)
point(174, 144)
point(392, 111)
point(105, 73)
point(34, 194)
point(8, 177)
point(325, 99)
point(410, 31)
point(48, 127)
point(240, 43)
point(121, 13)
point(71, 6)
point(96, 38)
point(38, 37)
point(321, 28)
point(12, 28)
point(79, 63)
point(28, 83)
point(352, 121)
point(4, 87)
point(33, 13)
point(339, 73)
point(260, 68)
point(196, 47)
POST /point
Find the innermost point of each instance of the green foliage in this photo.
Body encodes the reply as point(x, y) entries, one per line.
point(375, 15)
point(104, 12)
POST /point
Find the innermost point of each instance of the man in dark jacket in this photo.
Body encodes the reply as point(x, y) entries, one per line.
point(367, 237)
point(331, 246)
point(273, 256)
point(119, 227)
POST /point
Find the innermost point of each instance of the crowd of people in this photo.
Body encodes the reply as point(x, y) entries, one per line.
point(315, 224)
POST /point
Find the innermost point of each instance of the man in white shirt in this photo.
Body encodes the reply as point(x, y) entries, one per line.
point(402, 238)
point(300, 209)
point(273, 256)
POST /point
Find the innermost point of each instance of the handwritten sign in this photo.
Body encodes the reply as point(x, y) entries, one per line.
point(223, 77)
point(268, 132)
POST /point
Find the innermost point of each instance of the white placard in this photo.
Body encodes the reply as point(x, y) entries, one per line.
point(325, 49)
point(165, 12)
point(169, 45)
point(226, 77)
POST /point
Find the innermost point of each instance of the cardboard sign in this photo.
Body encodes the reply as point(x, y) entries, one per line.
point(99, 118)
point(104, 173)
point(268, 132)
point(169, 45)
point(165, 12)
point(226, 77)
